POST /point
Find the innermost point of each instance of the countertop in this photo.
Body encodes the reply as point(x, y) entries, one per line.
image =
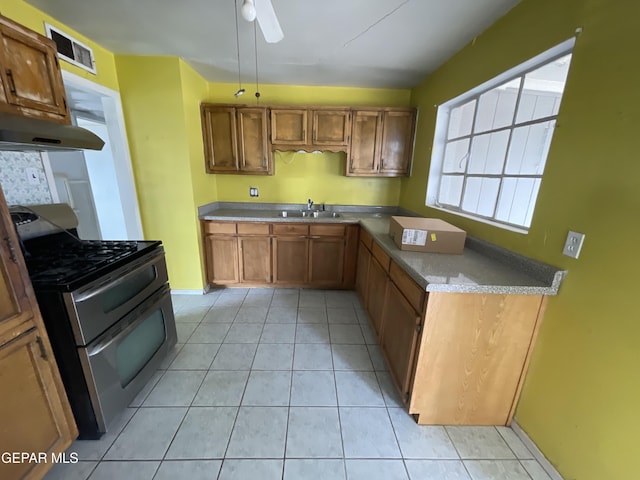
point(481, 268)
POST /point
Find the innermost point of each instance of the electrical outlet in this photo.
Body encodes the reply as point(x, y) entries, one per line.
point(573, 245)
point(253, 191)
point(32, 176)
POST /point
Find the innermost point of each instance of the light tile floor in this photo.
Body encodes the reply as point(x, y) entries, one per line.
point(285, 384)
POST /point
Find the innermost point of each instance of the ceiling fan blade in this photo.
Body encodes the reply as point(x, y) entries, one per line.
point(268, 21)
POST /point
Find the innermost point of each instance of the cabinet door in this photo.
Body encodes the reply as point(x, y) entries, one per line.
point(222, 260)
point(397, 143)
point(17, 305)
point(375, 293)
point(290, 260)
point(362, 272)
point(32, 412)
point(255, 259)
point(220, 139)
point(326, 261)
point(289, 126)
point(331, 127)
point(30, 71)
point(364, 152)
point(252, 140)
point(400, 332)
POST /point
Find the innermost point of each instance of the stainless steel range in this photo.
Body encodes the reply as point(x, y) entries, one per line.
point(107, 309)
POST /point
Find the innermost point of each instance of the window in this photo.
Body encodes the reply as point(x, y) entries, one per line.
point(491, 143)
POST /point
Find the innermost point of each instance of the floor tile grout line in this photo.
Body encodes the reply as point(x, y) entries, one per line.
point(525, 468)
point(455, 447)
point(509, 445)
point(344, 453)
point(244, 391)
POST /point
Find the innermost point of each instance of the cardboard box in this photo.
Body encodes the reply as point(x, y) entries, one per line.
point(420, 234)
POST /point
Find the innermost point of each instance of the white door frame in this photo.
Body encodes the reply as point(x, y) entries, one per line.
point(114, 119)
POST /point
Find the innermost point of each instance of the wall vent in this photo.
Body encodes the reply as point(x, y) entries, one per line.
point(71, 50)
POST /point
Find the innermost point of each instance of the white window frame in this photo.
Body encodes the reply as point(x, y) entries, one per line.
point(442, 126)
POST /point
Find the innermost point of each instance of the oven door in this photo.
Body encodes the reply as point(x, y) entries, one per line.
point(122, 360)
point(102, 303)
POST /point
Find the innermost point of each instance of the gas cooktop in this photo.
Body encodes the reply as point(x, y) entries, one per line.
point(68, 263)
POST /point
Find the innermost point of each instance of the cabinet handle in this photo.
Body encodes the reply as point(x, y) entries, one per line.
point(43, 352)
point(315, 237)
point(12, 250)
point(382, 164)
point(12, 83)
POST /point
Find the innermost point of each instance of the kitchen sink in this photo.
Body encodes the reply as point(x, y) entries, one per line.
point(307, 214)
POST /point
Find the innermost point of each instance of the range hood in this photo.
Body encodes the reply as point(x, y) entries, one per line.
point(25, 133)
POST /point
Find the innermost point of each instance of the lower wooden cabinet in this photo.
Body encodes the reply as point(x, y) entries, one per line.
point(401, 326)
point(473, 356)
point(290, 260)
point(282, 254)
point(33, 411)
point(377, 285)
point(222, 259)
point(362, 272)
point(326, 255)
point(255, 259)
point(456, 358)
point(35, 416)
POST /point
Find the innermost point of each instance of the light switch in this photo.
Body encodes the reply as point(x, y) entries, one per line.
point(573, 245)
point(253, 191)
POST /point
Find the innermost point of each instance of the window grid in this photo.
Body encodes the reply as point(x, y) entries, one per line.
point(511, 202)
point(475, 99)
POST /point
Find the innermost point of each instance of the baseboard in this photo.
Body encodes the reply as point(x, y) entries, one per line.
point(533, 448)
point(188, 292)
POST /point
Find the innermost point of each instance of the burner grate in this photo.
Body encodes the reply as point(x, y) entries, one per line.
point(67, 261)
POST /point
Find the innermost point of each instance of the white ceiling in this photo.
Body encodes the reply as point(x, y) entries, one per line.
point(365, 43)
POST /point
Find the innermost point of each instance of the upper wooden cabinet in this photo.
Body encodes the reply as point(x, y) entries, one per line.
point(331, 127)
point(381, 143)
point(236, 139)
point(31, 82)
point(364, 153)
point(289, 126)
point(252, 141)
point(396, 146)
point(310, 128)
point(239, 139)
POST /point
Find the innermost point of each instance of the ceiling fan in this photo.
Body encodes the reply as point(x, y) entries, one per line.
point(263, 11)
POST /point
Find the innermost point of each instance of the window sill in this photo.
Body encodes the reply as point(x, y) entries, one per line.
point(511, 228)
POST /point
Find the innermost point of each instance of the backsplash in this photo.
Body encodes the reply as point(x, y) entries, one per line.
point(15, 182)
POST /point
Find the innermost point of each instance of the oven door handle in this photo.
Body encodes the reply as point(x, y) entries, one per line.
point(102, 288)
point(131, 325)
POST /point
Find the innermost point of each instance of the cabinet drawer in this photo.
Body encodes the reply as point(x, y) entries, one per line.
point(327, 230)
point(290, 229)
point(253, 228)
point(381, 256)
point(366, 238)
point(220, 228)
point(409, 288)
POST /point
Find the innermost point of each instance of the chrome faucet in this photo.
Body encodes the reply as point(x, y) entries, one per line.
point(309, 204)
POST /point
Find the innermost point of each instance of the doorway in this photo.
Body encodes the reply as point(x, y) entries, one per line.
point(99, 185)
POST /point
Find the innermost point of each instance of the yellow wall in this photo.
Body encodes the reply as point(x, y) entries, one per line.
point(300, 176)
point(162, 154)
point(30, 17)
point(203, 186)
point(581, 396)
